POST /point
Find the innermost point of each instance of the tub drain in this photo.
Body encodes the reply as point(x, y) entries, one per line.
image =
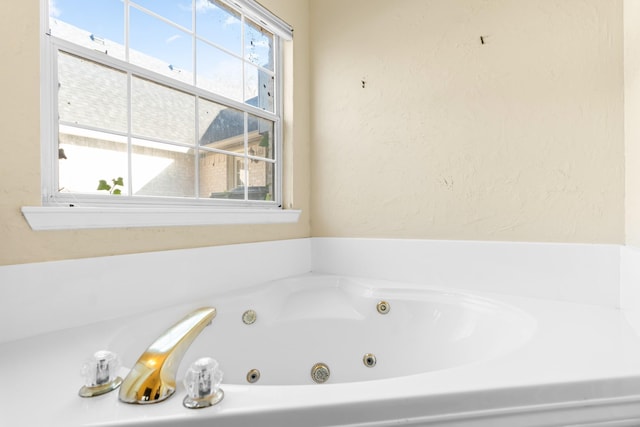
point(320, 373)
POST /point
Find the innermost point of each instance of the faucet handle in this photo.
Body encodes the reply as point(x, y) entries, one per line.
point(100, 374)
point(202, 382)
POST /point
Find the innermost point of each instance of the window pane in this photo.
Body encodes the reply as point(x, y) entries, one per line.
point(221, 127)
point(160, 47)
point(258, 48)
point(162, 113)
point(221, 176)
point(86, 157)
point(96, 24)
point(141, 134)
point(261, 178)
point(162, 170)
point(219, 72)
point(260, 137)
point(175, 11)
point(259, 88)
point(219, 24)
point(91, 94)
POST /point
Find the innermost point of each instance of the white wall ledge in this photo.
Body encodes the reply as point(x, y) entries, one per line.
point(49, 296)
point(66, 218)
point(572, 272)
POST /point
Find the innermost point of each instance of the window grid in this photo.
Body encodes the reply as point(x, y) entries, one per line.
point(134, 71)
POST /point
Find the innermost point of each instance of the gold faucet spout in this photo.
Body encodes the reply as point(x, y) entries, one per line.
point(153, 377)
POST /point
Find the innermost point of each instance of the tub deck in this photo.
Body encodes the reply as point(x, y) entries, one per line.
point(581, 366)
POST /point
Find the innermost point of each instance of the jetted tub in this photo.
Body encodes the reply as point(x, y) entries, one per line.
point(337, 321)
point(441, 358)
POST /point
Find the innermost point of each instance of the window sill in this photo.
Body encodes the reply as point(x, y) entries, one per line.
point(68, 218)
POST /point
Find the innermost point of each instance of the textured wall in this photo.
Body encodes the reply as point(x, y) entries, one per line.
point(20, 155)
point(518, 136)
point(632, 119)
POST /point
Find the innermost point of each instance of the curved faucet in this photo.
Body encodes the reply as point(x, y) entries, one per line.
point(153, 377)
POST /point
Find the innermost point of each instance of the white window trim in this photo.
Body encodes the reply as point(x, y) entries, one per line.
point(66, 218)
point(259, 14)
point(87, 215)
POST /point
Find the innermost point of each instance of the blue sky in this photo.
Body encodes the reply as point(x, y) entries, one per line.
point(105, 18)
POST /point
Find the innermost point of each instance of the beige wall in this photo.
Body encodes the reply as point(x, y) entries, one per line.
point(20, 155)
point(519, 138)
point(632, 119)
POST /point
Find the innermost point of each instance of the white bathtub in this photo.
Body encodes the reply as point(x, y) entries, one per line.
point(334, 320)
point(443, 358)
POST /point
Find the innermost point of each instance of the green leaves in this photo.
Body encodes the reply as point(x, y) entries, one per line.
point(103, 186)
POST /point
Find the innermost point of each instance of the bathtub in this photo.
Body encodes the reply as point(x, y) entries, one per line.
point(335, 321)
point(429, 356)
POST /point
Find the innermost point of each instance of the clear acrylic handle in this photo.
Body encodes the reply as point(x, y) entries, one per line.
point(100, 373)
point(202, 381)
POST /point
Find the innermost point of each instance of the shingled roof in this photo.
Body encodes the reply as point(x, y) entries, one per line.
point(92, 94)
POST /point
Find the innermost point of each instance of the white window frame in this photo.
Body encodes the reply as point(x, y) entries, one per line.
point(73, 211)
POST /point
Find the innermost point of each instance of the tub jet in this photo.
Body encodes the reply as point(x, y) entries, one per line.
point(253, 376)
point(369, 360)
point(383, 307)
point(320, 373)
point(249, 317)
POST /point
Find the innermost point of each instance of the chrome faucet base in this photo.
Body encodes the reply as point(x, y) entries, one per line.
point(98, 390)
point(203, 402)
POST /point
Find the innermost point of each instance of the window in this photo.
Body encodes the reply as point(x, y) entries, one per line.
point(171, 103)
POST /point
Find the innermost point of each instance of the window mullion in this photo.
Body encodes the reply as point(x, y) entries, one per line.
point(129, 132)
point(278, 125)
point(196, 150)
point(246, 154)
point(127, 44)
point(126, 30)
point(161, 18)
point(242, 53)
point(246, 115)
point(53, 151)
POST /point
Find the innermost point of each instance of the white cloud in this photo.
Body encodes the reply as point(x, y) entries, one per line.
point(53, 9)
point(202, 6)
point(231, 20)
point(172, 38)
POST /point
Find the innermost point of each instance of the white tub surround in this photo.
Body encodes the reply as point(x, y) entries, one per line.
point(579, 364)
point(44, 297)
point(582, 273)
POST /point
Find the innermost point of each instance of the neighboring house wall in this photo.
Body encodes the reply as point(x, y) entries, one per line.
point(92, 94)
